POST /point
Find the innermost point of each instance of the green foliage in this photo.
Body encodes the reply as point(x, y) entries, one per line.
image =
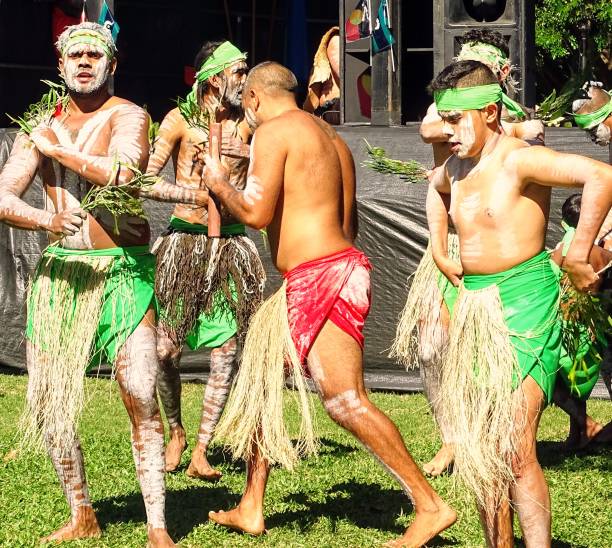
point(42, 111)
point(555, 110)
point(557, 23)
point(341, 498)
point(119, 199)
point(410, 170)
point(192, 113)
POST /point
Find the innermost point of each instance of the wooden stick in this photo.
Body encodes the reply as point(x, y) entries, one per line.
point(214, 213)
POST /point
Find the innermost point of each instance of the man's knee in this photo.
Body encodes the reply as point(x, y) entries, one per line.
point(346, 407)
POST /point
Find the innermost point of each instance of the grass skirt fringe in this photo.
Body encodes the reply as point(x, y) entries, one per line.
point(420, 318)
point(478, 390)
point(65, 300)
point(254, 413)
point(192, 268)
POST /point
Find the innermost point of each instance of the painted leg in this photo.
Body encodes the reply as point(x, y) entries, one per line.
point(223, 366)
point(248, 515)
point(529, 494)
point(169, 390)
point(497, 525)
point(433, 335)
point(136, 371)
point(582, 427)
point(337, 370)
point(69, 466)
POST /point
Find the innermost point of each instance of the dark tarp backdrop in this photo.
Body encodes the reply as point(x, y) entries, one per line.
point(392, 233)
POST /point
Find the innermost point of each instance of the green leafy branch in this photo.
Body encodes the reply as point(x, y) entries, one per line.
point(42, 111)
point(410, 170)
point(555, 109)
point(118, 199)
point(193, 114)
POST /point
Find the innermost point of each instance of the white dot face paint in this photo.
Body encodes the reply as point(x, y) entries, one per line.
point(253, 191)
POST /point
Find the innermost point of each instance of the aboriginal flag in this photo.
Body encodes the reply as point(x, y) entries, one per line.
point(107, 20)
point(358, 25)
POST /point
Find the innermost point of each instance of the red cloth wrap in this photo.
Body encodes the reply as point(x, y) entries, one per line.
point(336, 288)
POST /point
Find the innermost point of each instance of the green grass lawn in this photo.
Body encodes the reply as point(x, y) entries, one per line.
point(341, 498)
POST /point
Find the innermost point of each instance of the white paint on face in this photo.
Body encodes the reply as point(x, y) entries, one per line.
point(253, 191)
point(466, 136)
point(251, 119)
point(86, 69)
point(600, 135)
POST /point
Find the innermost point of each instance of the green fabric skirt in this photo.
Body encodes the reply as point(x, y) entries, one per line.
point(529, 293)
point(128, 278)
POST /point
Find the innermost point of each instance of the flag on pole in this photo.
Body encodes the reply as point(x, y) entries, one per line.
point(382, 39)
point(107, 20)
point(84, 12)
point(359, 24)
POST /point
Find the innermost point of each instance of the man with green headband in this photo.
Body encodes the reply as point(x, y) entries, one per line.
point(502, 357)
point(593, 113)
point(207, 287)
point(422, 331)
point(92, 296)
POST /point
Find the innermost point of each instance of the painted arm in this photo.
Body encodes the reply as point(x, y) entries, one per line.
point(530, 131)
point(547, 167)
point(431, 127)
point(15, 178)
point(256, 204)
point(129, 144)
point(438, 192)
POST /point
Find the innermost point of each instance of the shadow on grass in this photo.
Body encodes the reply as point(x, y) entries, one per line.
point(365, 505)
point(554, 454)
point(185, 508)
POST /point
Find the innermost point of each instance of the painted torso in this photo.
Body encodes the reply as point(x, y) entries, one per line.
point(500, 222)
point(92, 134)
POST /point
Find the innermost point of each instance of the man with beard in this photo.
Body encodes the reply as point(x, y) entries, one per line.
point(207, 287)
point(422, 331)
point(502, 358)
point(303, 191)
point(91, 298)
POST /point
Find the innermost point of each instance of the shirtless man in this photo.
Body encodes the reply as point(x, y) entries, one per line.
point(490, 48)
point(207, 288)
point(91, 296)
point(303, 191)
point(499, 190)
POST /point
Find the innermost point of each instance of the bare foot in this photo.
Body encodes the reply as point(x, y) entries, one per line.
point(200, 468)
point(175, 448)
point(426, 525)
point(158, 538)
point(83, 525)
point(440, 463)
point(579, 439)
point(239, 519)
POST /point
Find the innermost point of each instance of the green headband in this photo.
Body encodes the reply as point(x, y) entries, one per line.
point(485, 53)
point(588, 121)
point(90, 37)
point(570, 232)
point(470, 98)
point(224, 56)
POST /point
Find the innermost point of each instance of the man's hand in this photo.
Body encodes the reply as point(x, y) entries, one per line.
point(68, 222)
point(582, 275)
point(45, 139)
point(214, 171)
point(451, 269)
point(233, 146)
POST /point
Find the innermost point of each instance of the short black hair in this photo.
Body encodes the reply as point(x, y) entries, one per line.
point(486, 36)
point(205, 52)
point(463, 74)
point(570, 210)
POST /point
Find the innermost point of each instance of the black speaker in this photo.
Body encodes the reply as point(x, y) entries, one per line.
point(513, 19)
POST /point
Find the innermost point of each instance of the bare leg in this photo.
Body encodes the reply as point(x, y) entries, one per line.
point(498, 528)
point(337, 369)
point(248, 515)
point(69, 466)
point(169, 390)
point(582, 427)
point(433, 338)
point(136, 371)
point(223, 366)
point(529, 494)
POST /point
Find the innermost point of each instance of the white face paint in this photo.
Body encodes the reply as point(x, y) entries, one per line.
point(85, 69)
point(253, 191)
point(466, 136)
point(251, 119)
point(600, 135)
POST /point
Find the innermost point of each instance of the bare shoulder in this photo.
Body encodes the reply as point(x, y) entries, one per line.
point(431, 114)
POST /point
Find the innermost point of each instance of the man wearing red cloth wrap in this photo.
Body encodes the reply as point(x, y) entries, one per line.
point(302, 189)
